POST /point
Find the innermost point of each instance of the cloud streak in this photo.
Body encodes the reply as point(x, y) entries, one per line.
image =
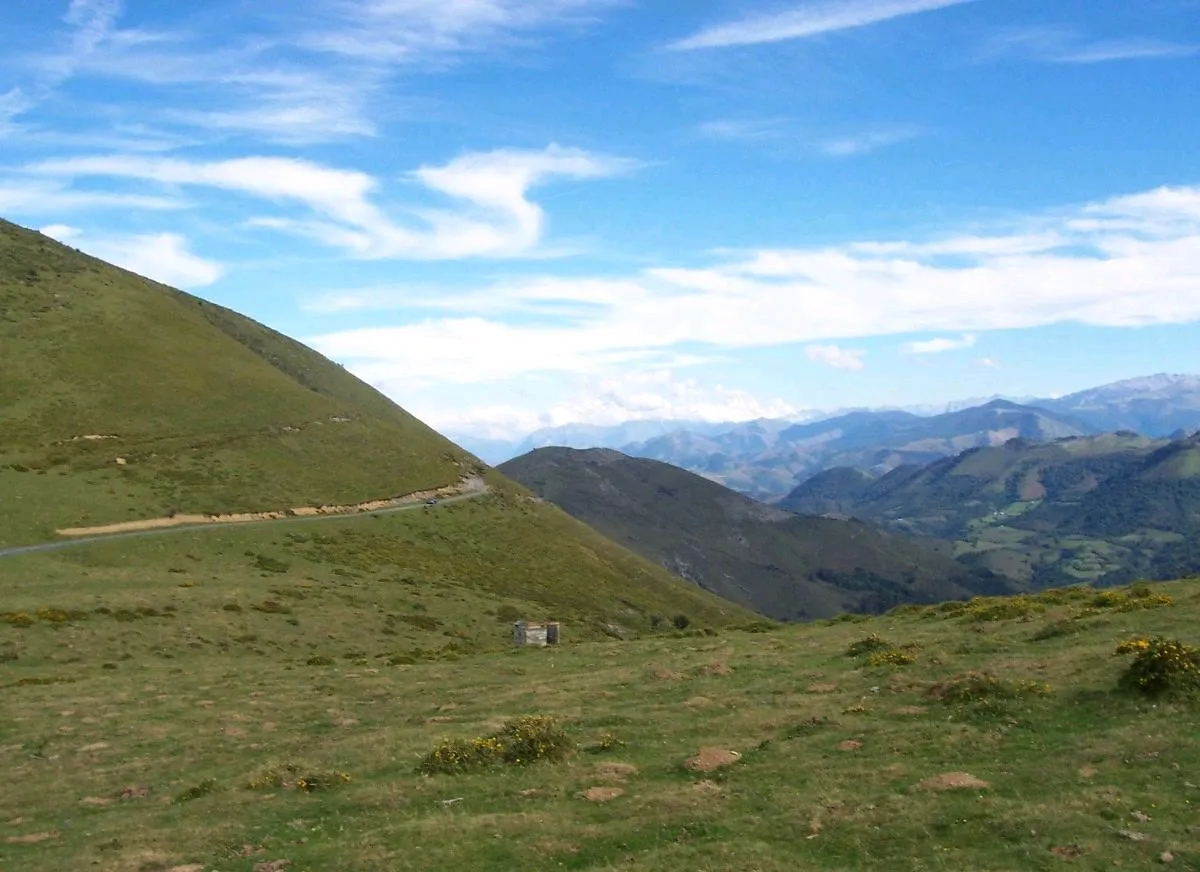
point(1127, 261)
point(1062, 45)
point(941, 345)
point(812, 19)
point(493, 215)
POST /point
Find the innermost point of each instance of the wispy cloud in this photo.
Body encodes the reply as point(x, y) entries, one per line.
point(869, 140)
point(812, 19)
point(941, 344)
point(437, 31)
point(1127, 261)
point(494, 216)
point(745, 129)
point(164, 257)
point(1064, 45)
point(836, 357)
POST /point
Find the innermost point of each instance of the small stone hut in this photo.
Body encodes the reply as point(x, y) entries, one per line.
point(536, 633)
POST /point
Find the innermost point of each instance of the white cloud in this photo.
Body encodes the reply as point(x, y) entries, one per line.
point(1063, 45)
point(1127, 261)
point(835, 356)
point(61, 232)
point(809, 20)
point(941, 345)
point(164, 257)
point(40, 197)
point(640, 396)
point(869, 140)
point(494, 216)
point(989, 363)
point(744, 129)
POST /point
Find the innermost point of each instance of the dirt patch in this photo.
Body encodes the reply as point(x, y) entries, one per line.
point(1067, 852)
point(234, 731)
point(706, 786)
point(188, 867)
point(31, 839)
point(272, 866)
point(698, 701)
point(97, 800)
point(667, 675)
point(469, 485)
point(711, 759)
point(822, 687)
point(619, 772)
point(346, 722)
point(135, 792)
point(911, 710)
point(849, 745)
point(718, 669)
point(953, 781)
point(1089, 772)
point(601, 794)
point(95, 746)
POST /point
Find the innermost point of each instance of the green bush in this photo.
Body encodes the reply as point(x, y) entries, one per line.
point(976, 687)
point(1160, 666)
point(520, 742)
point(868, 645)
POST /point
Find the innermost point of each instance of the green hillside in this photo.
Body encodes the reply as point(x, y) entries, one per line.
point(785, 566)
point(207, 411)
point(1113, 507)
point(122, 400)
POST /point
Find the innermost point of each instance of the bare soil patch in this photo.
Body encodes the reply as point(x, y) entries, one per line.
point(953, 781)
point(849, 745)
point(601, 794)
point(1067, 852)
point(719, 669)
point(712, 759)
point(30, 839)
point(668, 675)
point(911, 710)
point(97, 800)
point(706, 786)
point(822, 687)
point(619, 772)
point(698, 701)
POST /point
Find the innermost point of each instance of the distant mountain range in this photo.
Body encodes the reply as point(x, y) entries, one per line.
point(783, 565)
point(767, 458)
point(1106, 508)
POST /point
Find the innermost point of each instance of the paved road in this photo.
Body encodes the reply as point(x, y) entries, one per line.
point(183, 528)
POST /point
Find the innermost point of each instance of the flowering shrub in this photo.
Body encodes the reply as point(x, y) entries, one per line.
point(868, 645)
point(519, 742)
point(892, 657)
point(291, 776)
point(1003, 608)
point(1160, 666)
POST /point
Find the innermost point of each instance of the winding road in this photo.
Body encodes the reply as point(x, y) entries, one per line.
point(17, 550)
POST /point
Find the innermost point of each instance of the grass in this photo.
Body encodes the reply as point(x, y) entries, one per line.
point(197, 758)
point(123, 399)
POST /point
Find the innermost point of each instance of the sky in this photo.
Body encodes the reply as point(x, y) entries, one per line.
point(510, 214)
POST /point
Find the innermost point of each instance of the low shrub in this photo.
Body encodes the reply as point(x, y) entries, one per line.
point(204, 788)
point(294, 777)
point(868, 645)
point(892, 657)
point(974, 687)
point(987, 609)
point(1160, 666)
point(520, 742)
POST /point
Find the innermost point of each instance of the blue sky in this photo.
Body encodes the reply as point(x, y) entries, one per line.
point(515, 213)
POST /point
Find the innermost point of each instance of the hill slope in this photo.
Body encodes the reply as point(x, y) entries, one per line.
point(123, 400)
point(1116, 506)
point(781, 564)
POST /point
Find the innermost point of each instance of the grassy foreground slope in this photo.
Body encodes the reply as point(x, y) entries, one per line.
point(123, 399)
point(783, 565)
point(191, 756)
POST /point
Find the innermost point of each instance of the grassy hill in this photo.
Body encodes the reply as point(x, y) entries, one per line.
point(123, 400)
point(992, 735)
point(1116, 506)
point(785, 566)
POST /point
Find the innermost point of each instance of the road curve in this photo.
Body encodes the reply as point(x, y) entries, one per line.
point(15, 551)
